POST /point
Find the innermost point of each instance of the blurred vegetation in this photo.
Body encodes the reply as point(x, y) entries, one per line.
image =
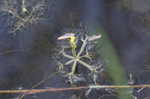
point(126, 4)
point(112, 63)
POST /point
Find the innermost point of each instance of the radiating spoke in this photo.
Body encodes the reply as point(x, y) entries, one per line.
point(68, 56)
point(74, 67)
point(83, 46)
point(86, 65)
point(69, 62)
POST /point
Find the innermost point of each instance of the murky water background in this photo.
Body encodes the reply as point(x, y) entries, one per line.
point(26, 55)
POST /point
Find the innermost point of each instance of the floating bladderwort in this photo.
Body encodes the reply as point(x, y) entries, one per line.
point(23, 13)
point(79, 54)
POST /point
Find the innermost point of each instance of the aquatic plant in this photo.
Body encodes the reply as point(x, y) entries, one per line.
point(23, 13)
point(77, 56)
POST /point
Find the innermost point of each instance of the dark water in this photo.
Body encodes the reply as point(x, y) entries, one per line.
point(26, 55)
